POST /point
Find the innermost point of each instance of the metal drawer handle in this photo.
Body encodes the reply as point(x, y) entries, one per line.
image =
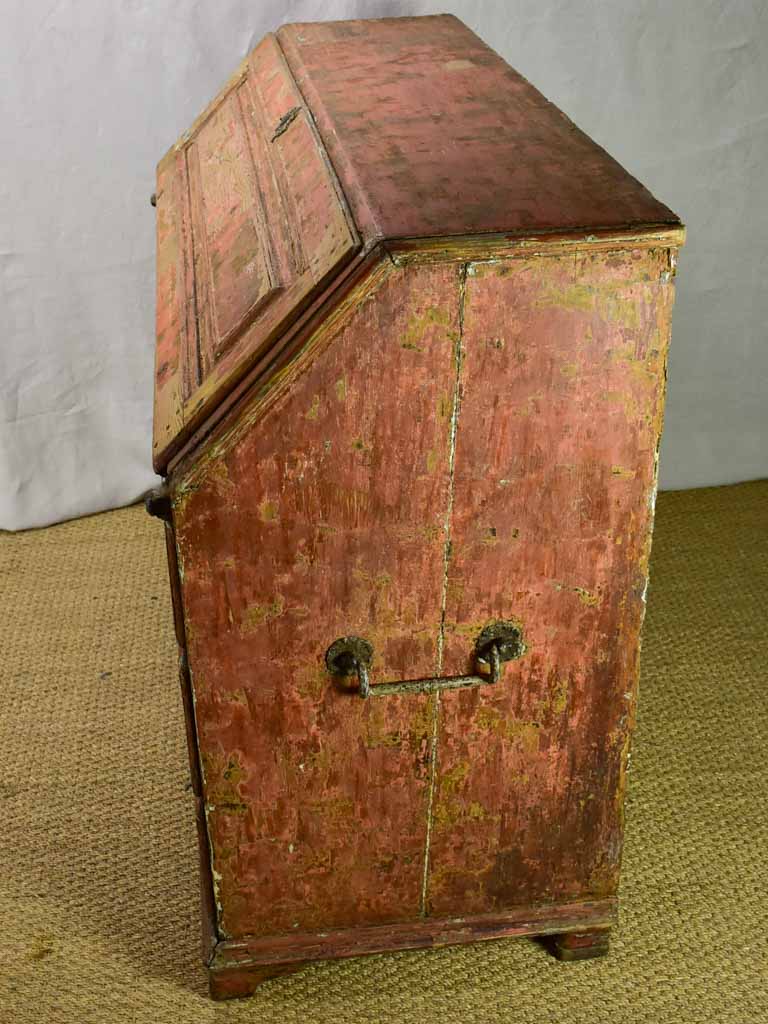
point(497, 643)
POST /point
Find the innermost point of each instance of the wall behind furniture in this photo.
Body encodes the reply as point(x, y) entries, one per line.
point(93, 94)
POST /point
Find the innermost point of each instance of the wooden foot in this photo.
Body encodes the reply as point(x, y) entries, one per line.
point(238, 982)
point(581, 945)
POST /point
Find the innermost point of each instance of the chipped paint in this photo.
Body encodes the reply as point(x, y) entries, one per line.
point(447, 524)
point(256, 615)
point(268, 512)
point(418, 326)
point(310, 510)
point(551, 720)
point(286, 721)
point(229, 283)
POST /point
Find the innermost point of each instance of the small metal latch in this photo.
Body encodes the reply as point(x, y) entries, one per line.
point(353, 656)
point(285, 121)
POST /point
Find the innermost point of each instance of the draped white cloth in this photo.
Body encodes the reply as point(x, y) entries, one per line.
point(93, 93)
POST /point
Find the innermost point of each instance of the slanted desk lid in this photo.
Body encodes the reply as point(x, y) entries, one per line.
point(432, 136)
point(446, 138)
point(251, 224)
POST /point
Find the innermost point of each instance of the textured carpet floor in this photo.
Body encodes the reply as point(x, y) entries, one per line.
point(98, 881)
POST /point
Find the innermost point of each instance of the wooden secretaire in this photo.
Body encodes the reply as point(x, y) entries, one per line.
point(411, 337)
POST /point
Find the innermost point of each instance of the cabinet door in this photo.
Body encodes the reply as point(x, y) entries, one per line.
point(251, 225)
point(562, 391)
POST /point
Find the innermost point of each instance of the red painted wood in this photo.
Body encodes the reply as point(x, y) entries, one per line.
point(208, 911)
point(404, 441)
point(235, 272)
point(254, 225)
point(432, 133)
point(582, 945)
point(171, 316)
point(236, 983)
point(322, 515)
point(432, 933)
point(562, 386)
point(277, 357)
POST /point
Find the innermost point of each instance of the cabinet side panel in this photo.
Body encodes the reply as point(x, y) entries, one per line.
point(561, 400)
point(208, 910)
point(323, 518)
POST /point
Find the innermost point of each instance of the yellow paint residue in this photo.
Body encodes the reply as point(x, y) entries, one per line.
point(450, 807)
point(488, 536)
point(268, 511)
point(382, 579)
point(420, 323)
point(219, 475)
point(312, 681)
point(333, 809)
point(612, 301)
point(512, 729)
point(560, 697)
point(377, 735)
point(444, 406)
point(257, 614)
point(572, 296)
point(233, 773)
point(586, 597)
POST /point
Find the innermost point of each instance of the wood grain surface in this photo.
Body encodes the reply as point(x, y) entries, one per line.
point(471, 443)
point(325, 518)
point(562, 387)
point(412, 338)
point(432, 133)
point(332, 136)
point(252, 224)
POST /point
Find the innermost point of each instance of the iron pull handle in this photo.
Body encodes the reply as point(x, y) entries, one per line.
point(497, 643)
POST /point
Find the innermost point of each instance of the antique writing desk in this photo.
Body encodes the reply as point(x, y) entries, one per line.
point(411, 337)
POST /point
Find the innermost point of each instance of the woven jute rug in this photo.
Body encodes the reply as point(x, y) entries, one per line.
point(98, 877)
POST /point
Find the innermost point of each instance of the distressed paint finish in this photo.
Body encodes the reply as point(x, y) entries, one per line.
point(170, 325)
point(406, 112)
point(561, 399)
point(254, 222)
point(412, 330)
point(432, 134)
point(325, 517)
point(234, 960)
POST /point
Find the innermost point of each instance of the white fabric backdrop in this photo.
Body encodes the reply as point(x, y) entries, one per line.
point(93, 93)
